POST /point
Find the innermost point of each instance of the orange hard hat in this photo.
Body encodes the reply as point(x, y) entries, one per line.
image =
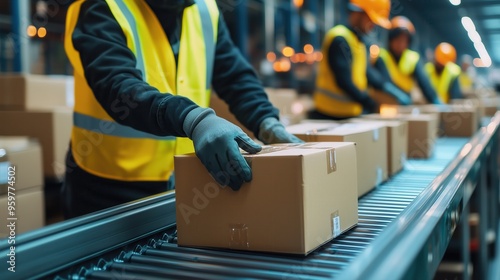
point(377, 10)
point(445, 53)
point(401, 22)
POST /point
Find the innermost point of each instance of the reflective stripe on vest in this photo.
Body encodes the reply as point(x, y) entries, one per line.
point(442, 82)
point(401, 73)
point(107, 149)
point(329, 98)
point(112, 128)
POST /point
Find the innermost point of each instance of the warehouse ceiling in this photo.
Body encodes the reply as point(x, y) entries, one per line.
point(446, 18)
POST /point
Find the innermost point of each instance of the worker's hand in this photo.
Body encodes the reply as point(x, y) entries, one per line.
point(217, 143)
point(402, 97)
point(271, 131)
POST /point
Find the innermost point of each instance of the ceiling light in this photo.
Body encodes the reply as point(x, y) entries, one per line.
point(455, 2)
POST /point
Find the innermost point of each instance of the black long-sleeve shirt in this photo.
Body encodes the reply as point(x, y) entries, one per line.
point(420, 76)
point(340, 61)
point(455, 91)
point(109, 67)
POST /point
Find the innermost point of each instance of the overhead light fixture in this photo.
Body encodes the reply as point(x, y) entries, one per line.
point(455, 2)
point(478, 44)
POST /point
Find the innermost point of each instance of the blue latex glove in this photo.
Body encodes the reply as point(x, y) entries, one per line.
point(394, 91)
point(216, 143)
point(271, 131)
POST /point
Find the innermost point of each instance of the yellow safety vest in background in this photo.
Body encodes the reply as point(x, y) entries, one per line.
point(401, 73)
point(107, 149)
point(329, 98)
point(442, 83)
point(466, 82)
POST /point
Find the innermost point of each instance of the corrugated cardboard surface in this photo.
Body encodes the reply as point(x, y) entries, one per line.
point(32, 92)
point(397, 143)
point(52, 128)
point(29, 210)
point(288, 207)
point(26, 155)
point(490, 105)
point(455, 120)
point(422, 132)
point(371, 141)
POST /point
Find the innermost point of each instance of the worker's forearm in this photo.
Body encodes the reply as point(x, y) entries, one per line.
point(375, 78)
point(237, 84)
point(455, 91)
point(425, 84)
point(382, 69)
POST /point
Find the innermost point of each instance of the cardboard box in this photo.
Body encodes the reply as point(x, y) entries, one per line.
point(455, 120)
point(300, 197)
point(397, 143)
point(52, 128)
point(25, 155)
point(35, 92)
point(371, 144)
point(29, 211)
point(422, 132)
point(470, 103)
point(490, 105)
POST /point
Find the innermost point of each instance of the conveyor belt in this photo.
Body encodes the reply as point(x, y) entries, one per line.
point(376, 210)
point(404, 228)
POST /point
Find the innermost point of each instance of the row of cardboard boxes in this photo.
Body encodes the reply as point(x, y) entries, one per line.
point(41, 110)
point(301, 196)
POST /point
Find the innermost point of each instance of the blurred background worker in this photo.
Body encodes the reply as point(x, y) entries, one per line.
point(444, 73)
point(401, 65)
point(143, 71)
point(344, 75)
point(467, 75)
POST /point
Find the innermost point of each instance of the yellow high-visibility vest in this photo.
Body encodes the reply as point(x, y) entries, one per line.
point(329, 98)
point(107, 149)
point(401, 73)
point(466, 82)
point(442, 82)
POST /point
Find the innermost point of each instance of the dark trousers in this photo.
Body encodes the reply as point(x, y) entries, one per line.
point(83, 193)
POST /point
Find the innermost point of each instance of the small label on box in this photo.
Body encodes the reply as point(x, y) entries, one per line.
point(380, 174)
point(336, 224)
point(375, 135)
point(238, 236)
point(331, 161)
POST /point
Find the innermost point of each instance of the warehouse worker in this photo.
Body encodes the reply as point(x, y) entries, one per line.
point(143, 71)
point(402, 65)
point(444, 73)
point(344, 75)
point(466, 78)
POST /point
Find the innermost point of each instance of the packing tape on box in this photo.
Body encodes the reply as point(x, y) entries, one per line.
point(331, 153)
point(311, 134)
point(238, 236)
point(336, 229)
point(331, 161)
point(376, 135)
